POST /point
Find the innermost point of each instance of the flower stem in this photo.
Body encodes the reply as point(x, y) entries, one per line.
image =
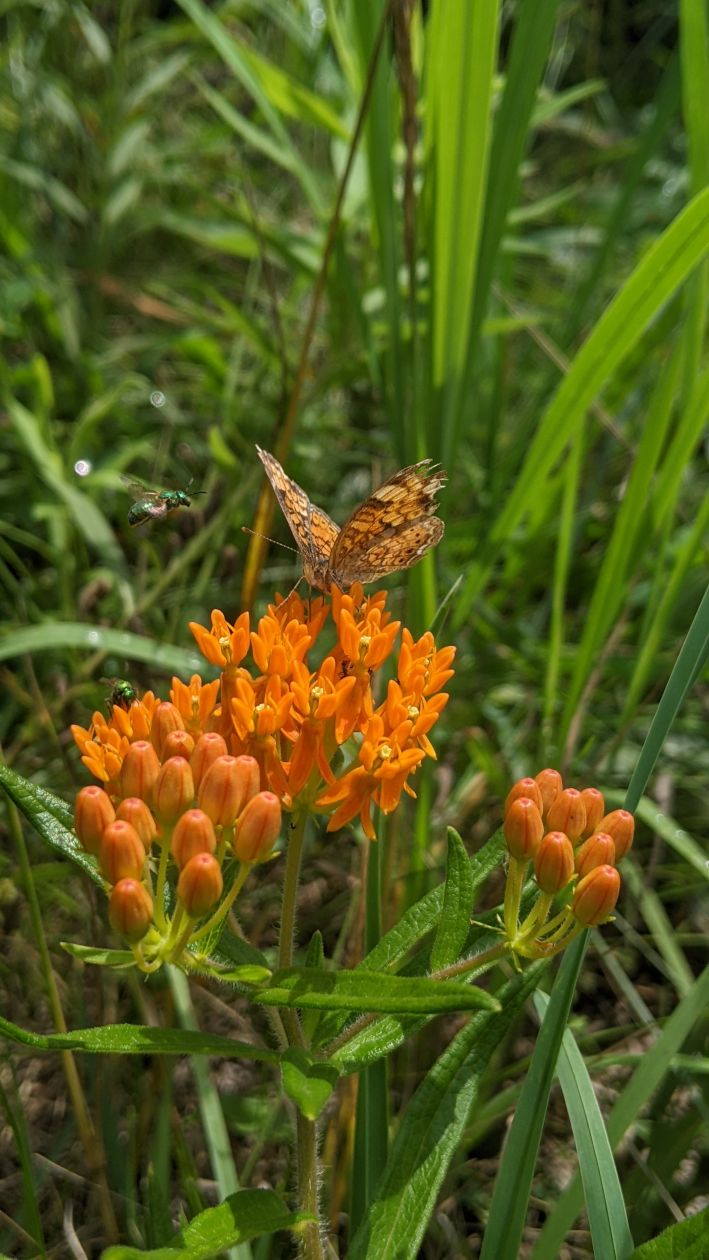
point(513, 895)
point(227, 903)
point(162, 876)
point(294, 856)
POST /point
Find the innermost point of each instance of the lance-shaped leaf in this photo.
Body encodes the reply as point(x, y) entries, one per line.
point(136, 1039)
point(430, 1131)
point(457, 905)
point(247, 1214)
point(370, 991)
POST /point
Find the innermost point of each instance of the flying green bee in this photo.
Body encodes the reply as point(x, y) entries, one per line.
point(123, 693)
point(153, 505)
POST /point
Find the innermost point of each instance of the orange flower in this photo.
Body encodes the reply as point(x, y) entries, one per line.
point(278, 645)
point(317, 699)
point(136, 721)
point(258, 722)
point(312, 614)
point(102, 748)
point(195, 701)
point(380, 778)
point(422, 713)
point(225, 644)
point(421, 669)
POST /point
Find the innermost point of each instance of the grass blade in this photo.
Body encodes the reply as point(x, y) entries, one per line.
point(662, 269)
point(607, 1216)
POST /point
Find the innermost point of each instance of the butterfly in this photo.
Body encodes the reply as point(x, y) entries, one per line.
point(390, 531)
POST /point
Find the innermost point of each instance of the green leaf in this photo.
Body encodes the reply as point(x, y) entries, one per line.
point(248, 1214)
point(424, 915)
point(99, 957)
point(307, 1081)
point(48, 815)
point(88, 519)
point(454, 922)
point(605, 1205)
point(514, 1177)
point(137, 1039)
point(52, 635)
point(685, 1240)
point(430, 1132)
point(654, 1064)
point(662, 269)
point(370, 991)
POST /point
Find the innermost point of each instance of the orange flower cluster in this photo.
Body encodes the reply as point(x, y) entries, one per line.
point(570, 840)
point(293, 717)
point(202, 777)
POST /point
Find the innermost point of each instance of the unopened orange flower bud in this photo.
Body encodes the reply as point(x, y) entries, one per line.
point(258, 828)
point(194, 833)
point(595, 809)
point(122, 854)
point(208, 747)
point(527, 788)
point(93, 812)
point(166, 718)
point(619, 824)
point(130, 909)
point(174, 790)
point(200, 884)
point(141, 767)
point(596, 895)
point(523, 828)
point(178, 744)
point(136, 812)
point(550, 784)
point(554, 862)
point(567, 813)
point(598, 850)
point(226, 787)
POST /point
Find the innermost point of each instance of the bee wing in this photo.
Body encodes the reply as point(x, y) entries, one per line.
point(139, 489)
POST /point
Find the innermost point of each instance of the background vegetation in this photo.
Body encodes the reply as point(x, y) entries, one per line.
point(513, 283)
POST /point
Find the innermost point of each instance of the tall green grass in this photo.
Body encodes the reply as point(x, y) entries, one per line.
point(167, 185)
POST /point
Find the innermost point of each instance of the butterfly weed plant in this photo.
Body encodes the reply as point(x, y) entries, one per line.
point(324, 710)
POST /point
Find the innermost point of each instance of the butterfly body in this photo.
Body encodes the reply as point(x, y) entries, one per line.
point(390, 531)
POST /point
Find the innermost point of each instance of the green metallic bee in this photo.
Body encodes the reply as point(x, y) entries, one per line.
point(153, 505)
point(123, 693)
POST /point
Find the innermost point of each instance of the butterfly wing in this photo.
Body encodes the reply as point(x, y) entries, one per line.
point(313, 529)
point(392, 529)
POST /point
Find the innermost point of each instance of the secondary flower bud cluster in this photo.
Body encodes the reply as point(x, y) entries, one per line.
point(571, 841)
point(180, 803)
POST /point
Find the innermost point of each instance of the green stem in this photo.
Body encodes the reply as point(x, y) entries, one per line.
point(294, 857)
point(534, 920)
point(466, 965)
point(513, 894)
point(227, 903)
point(306, 1138)
point(162, 876)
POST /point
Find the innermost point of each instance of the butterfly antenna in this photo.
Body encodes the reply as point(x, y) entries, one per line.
point(276, 541)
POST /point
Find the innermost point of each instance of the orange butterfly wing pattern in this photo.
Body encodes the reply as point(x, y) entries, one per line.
point(390, 531)
point(313, 530)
